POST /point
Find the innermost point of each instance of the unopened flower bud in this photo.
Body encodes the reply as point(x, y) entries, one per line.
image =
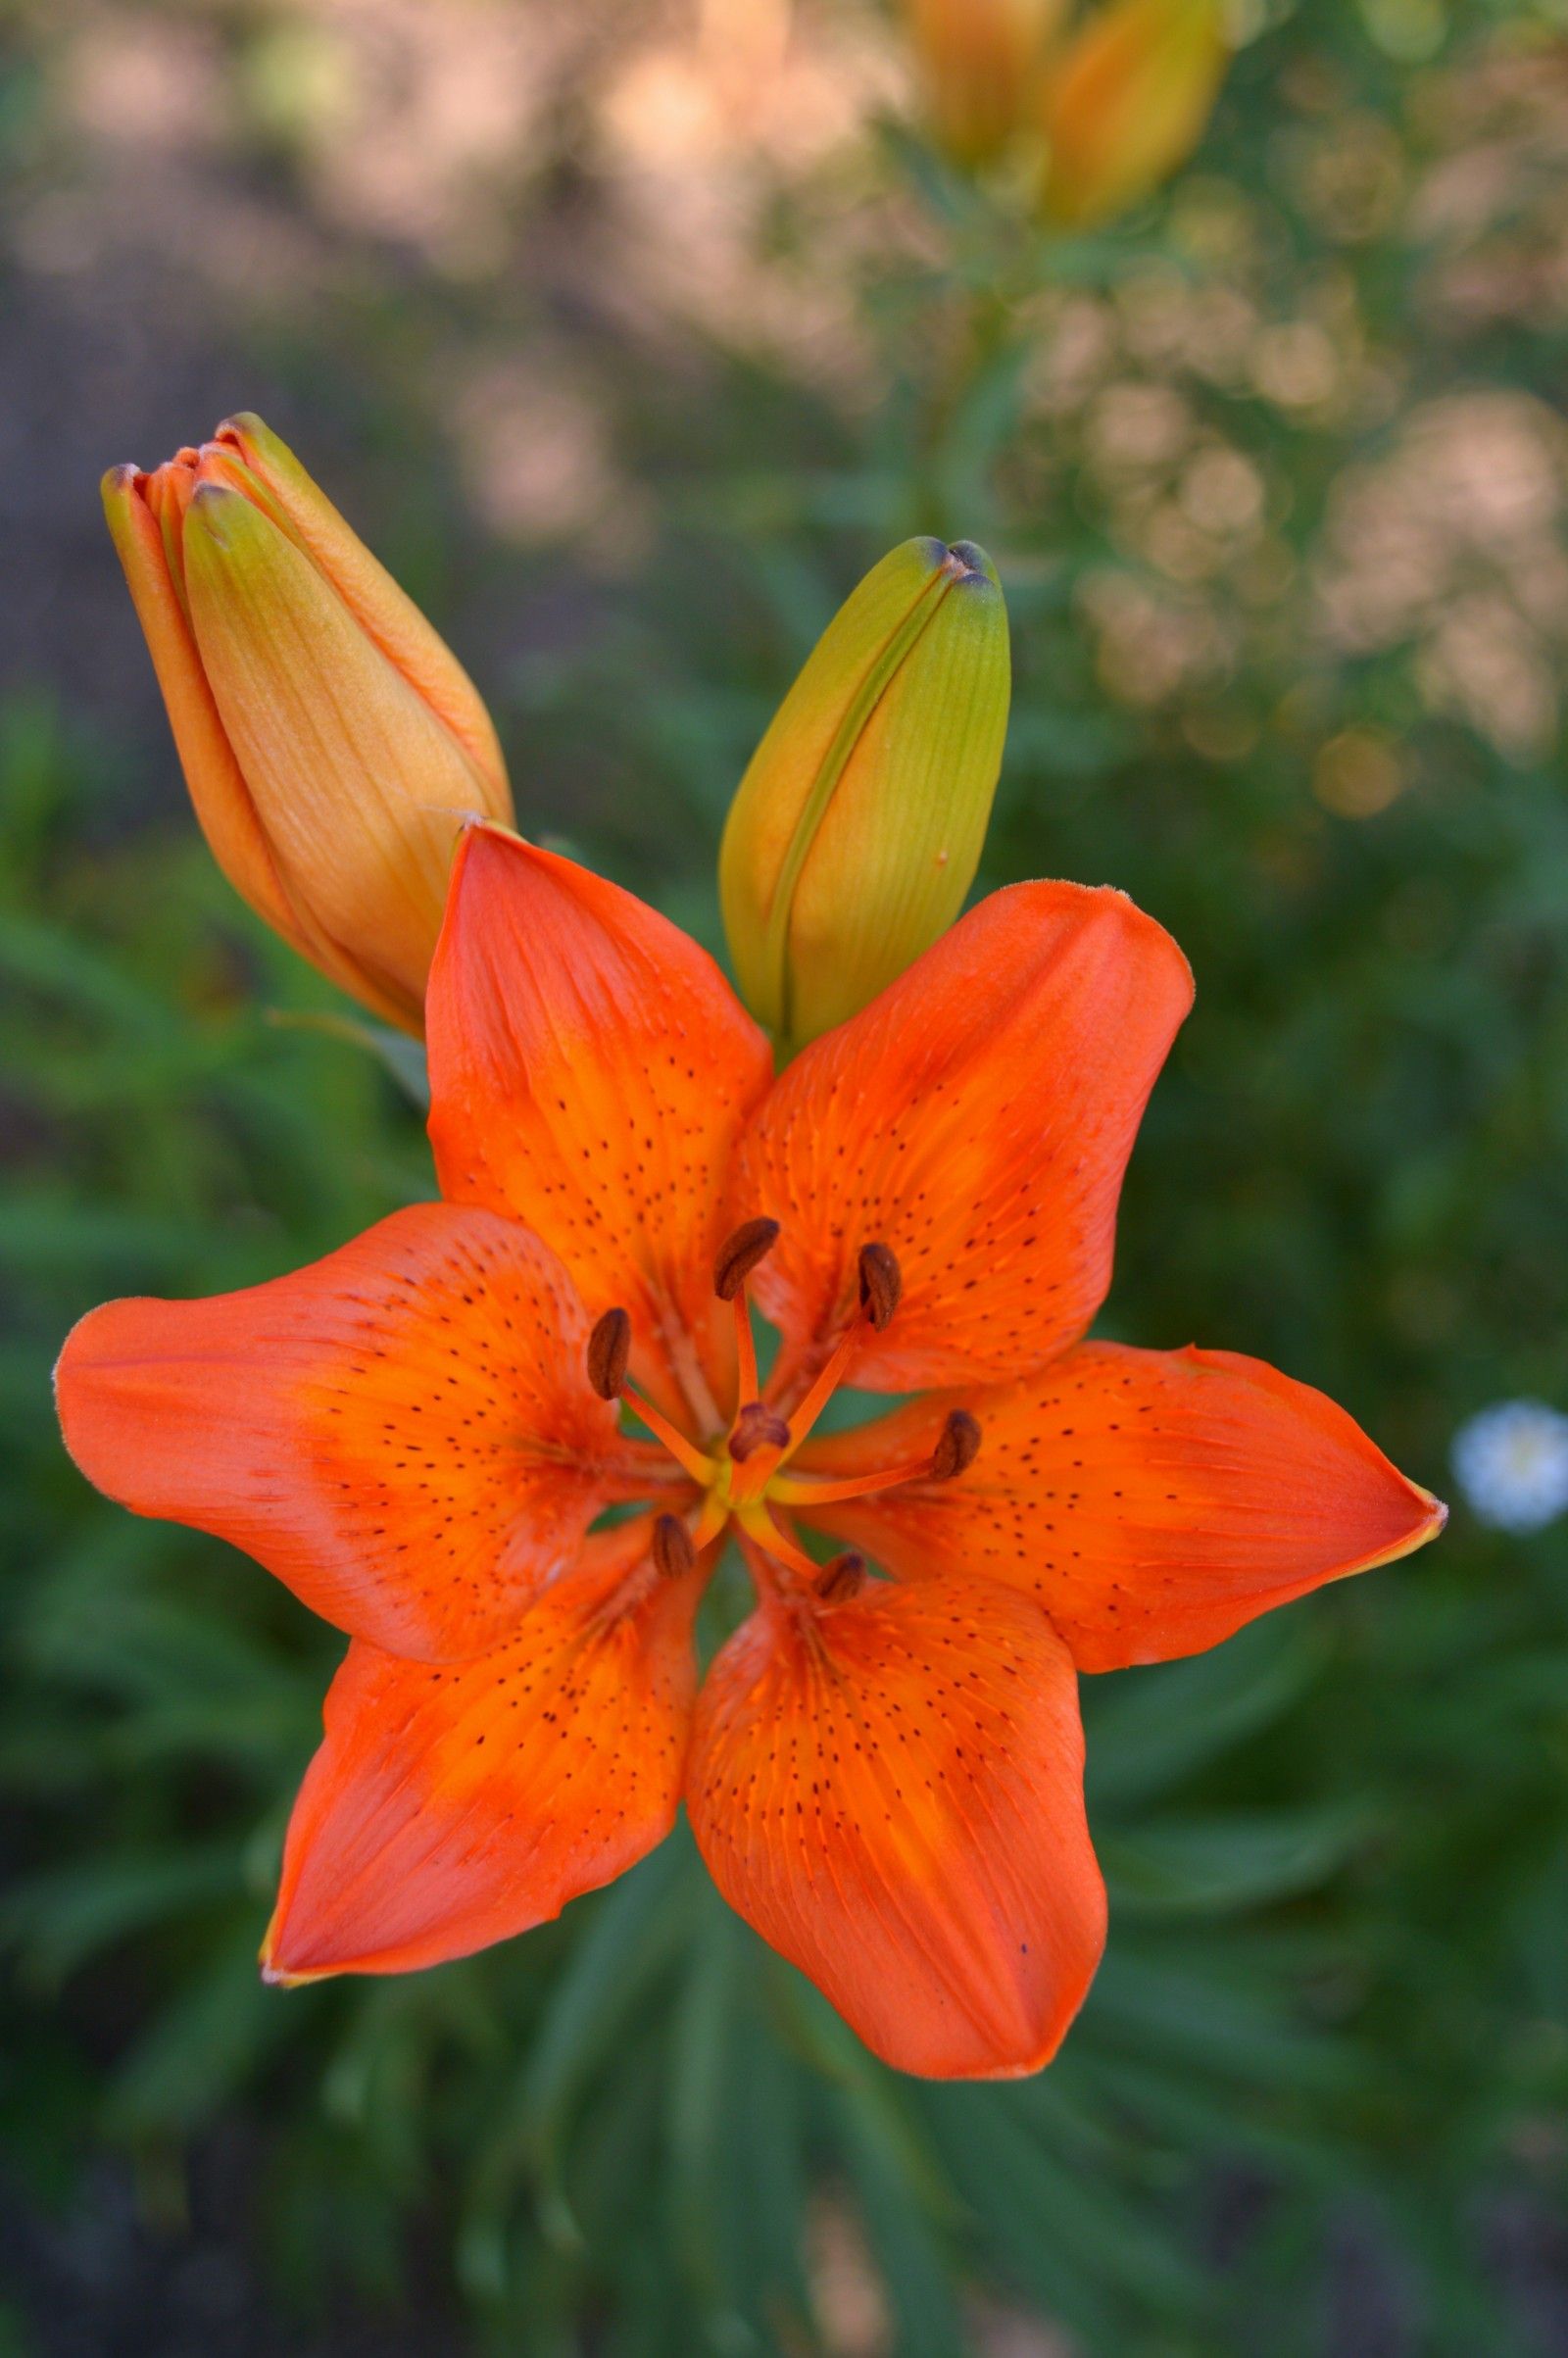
point(858, 827)
point(981, 61)
point(1127, 104)
point(331, 743)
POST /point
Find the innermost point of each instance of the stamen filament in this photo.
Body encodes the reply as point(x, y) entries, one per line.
point(626, 1484)
point(823, 1388)
point(764, 1534)
point(685, 1453)
point(745, 1349)
point(643, 1458)
point(710, 1522)
point(758, 1563)
point(957, 1444)
point(806, 1491)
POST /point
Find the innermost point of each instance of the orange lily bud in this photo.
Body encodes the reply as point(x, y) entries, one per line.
point(331, 743)
point(1128, 104)
point(981, 61)
point(858, 827)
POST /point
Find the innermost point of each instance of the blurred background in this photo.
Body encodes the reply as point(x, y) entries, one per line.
point(629, 334)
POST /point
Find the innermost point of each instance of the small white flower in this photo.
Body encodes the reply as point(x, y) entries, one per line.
point(1511, 1462)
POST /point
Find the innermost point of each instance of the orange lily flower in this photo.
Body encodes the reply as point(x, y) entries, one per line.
point(421, 1434)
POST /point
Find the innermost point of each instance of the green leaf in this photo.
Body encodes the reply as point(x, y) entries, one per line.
point(1149, 1730)
point(202, 2047)
point(1211, 1866)
point(402, 1056)
point(61, 1918)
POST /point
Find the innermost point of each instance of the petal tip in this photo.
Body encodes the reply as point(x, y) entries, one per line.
point(1430, 1518)
point(477, 823)
point(1112, 902)
point(278, 1976)
point(219, 519)
point(275, 1974)
point(76, 1366)
point(1038, 2043)
point(477, 829)
point(1436, 1518)
point(213, 502)
point(119, 483)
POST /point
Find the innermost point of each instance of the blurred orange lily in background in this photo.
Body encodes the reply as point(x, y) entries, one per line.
point(1097, 112)
point(423, 1433)
point(981, 60)
point(331, 743)
point(1127, 104)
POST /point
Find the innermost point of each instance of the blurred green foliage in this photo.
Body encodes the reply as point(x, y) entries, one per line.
point(1271, 473)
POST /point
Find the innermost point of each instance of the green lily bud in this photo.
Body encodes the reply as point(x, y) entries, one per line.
point(856, 830)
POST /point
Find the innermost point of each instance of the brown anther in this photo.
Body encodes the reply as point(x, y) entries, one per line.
point(608, 1348)
point(671, 1547)
point(881, 1283)
point(957, 1447)
point(842, 1579)
point(757, 1427)
point(740, 1254)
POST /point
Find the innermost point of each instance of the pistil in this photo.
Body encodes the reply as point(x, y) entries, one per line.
point(757, 1427)
point(759, 1442)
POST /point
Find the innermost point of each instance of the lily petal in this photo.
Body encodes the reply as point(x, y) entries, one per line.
point(1152, 1500)
point(590, 1069)
point(976, 1118)
point(451, 1809)
point(890, 1790)
point(404, 1432)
